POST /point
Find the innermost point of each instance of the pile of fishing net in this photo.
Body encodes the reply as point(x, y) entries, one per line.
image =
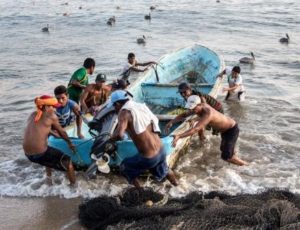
point(146, 209)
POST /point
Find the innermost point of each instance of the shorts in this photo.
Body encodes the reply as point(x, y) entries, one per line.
point(134, 166)
point(229, 139)
point(52, 158)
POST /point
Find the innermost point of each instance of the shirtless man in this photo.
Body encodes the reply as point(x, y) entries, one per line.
point(94, 95)
point(142, 126)
point(35, 142)
point(186, 90)
point(206, 115)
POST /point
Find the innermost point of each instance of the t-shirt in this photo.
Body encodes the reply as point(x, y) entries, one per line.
point(81, 76)
point(65, 114)
point(234, 81)
point(126, 69)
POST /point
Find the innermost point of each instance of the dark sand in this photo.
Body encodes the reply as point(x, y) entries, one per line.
point(39, 213)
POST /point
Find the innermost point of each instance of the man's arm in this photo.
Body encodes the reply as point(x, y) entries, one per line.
point(78, 76)
point(231, 88)
point(177, 119)
point(83, 97)
point(123, 119)
point(77, 113)
point(146, 63)
point(222, 73)
point(137, 69)
point(201, 123)
point(56, 126)
point(77, 84)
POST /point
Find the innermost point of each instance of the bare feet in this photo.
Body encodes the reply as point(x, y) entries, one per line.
point(237, 161)
point(171, 178)
point(136, 183)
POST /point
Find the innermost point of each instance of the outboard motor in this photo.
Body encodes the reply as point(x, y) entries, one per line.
point(104, 123)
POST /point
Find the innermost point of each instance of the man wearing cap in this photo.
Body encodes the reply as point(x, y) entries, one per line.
point(186, 90)
point(206, 115)
point(142, 126)
point(35, 142)
point(94, 95)
point(80, 79)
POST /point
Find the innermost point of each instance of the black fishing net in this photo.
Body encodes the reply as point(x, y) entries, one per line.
point(146, 209)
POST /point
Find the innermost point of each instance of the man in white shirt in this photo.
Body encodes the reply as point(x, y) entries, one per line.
point(236, 89)
point(132, 65)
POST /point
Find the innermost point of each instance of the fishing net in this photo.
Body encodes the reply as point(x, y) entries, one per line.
point(272, 209)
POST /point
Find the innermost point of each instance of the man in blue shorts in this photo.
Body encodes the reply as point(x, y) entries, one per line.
point(142, 126)
point(68, 111)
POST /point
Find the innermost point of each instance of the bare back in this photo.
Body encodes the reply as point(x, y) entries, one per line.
point(148, 142)
point(36, 134)
point(218, 121)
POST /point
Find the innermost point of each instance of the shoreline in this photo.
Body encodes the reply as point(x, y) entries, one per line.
point(39, 213)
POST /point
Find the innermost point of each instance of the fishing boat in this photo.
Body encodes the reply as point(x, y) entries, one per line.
point(195, 64)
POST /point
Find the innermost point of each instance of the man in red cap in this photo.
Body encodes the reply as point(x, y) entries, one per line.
point(35, 142)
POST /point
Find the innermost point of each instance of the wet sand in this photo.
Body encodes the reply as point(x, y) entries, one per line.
point(39, 213)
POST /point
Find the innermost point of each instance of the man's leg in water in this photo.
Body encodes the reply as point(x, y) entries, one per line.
point(136, 183)
point(236, 160)
point(171, 177)
point(49, 175)
point(70, 170)
point(71, 173)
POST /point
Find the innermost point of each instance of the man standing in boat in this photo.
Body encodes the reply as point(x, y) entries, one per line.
point(186, 90)
point(142, 126)
point(132, 65)
point(80, 79)
point(35, 142)
point(206, 115)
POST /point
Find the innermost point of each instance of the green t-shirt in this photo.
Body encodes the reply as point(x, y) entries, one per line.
point(81, 76)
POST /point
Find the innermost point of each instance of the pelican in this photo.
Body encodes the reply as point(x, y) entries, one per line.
point(141, 40)
point(46, 29)
point(148, 17)
point(248, 60)
point(285, 40)
point(111, 21)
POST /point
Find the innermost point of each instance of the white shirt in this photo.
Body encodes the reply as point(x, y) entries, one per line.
point(234, 81)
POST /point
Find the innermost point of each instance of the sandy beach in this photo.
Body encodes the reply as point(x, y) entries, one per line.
point(39, 213)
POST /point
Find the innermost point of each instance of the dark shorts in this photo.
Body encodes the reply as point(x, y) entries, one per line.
point(52, 158)
point(229, 139)
point(134, 166)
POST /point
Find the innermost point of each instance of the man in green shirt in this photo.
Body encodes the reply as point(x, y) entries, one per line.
point(80, 79)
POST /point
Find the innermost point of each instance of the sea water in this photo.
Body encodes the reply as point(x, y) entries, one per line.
point(34, 63)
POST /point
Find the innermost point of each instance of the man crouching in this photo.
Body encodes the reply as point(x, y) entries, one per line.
point(142, 127)
point(35, 143)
